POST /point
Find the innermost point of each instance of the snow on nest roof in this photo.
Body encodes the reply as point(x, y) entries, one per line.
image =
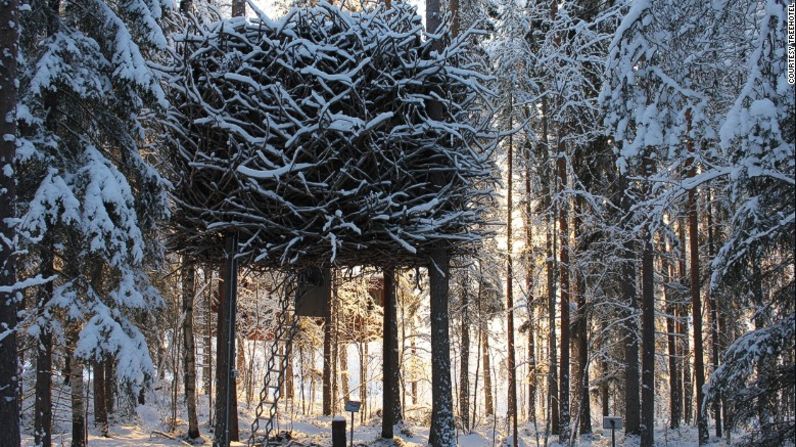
point(314, 137)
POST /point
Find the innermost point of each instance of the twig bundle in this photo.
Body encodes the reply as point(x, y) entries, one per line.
point(311, 136)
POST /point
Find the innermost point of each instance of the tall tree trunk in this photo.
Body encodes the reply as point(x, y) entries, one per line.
point(714, 315)
point(442, 433)
point(563, 224)
point(604, 385)
point(413, 347)
point(344, 372)
point(647, 343)
point(9, 371)
point(763, 402)
point(77, 393)
point(464, 364)
point(301, 381)
point(290, 387)
point(207, 367)
point(474, 403)
point(550, 250)
point(581, 340)
point(628, 329)
point(632, 403)
point(683, 329)
point(98, 385)
point(238, 8)
point(529, 259)
point(511, 360)
point(552, 380)
point(671, 343)
point(327, 360)
point(363, 378)
point(43, 411)
point(189, 351)
point(696, 298)
point(108, 365)
point(391, 403)
point(335, 335)
point(489, 407)
point(240, 363)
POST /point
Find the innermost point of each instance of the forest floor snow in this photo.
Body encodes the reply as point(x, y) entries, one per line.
point(150, 426)
point(315, 431)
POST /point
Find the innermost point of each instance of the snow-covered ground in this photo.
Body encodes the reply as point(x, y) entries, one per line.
point(150, 426)
point(146, 430)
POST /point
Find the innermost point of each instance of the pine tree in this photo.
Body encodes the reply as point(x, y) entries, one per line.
point(188, 274)
point(89, 96)
point(9, 379)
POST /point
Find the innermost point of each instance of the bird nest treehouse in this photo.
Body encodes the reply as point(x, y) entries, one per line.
point(328, 138)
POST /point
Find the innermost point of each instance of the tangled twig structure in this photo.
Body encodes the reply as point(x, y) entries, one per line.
point(313, 138)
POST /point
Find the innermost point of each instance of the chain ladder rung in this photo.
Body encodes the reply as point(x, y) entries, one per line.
point(276, 365)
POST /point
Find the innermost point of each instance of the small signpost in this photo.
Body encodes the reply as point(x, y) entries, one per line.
point(353, 407)
point(614, 423)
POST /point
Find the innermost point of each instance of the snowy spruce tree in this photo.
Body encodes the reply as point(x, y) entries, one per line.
point(757, 138)
point(90, 196)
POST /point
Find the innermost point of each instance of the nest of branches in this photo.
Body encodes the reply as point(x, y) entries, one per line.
point(329, 137)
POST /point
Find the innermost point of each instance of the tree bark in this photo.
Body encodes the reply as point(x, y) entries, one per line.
point(391, 403)
point(238, 8)
point(671, 343)
point(632, 404)
point(108, 365)
point(9, 371)
point(696, 299)
point(289, 383)
point(77, 394)
point(335, 337)
point(207, 367)
point(327, 360)
point(43, 411)
point(714, 316)
point(683, 329)
point(363, 378)
point(100, 412)
point(189, 351)
point(343, 353)
point(529, 259)
point(489, 406)
point(582, 341)
point(99, 386)
point(413, 348)
point(550, 250)
point(442, 433)
point(240, 363)
point(648, 344)
point(630, 323)
point(464, 363)
point(511, 360)
point(563, 224)
point(552, 380)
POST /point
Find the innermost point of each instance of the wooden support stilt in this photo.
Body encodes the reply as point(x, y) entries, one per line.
point(227, 372)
